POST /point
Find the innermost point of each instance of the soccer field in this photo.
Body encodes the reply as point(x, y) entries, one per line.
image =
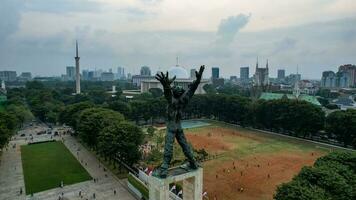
point(45, 165)
point(249, 164)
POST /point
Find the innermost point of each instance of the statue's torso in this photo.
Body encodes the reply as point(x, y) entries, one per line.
point(174, 114)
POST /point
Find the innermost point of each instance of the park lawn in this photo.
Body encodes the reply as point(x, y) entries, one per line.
point(45, 165)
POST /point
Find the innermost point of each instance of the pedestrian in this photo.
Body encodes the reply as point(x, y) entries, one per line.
point(94, 195)
point(20, 190)
point(114, 192)
point(80, 193)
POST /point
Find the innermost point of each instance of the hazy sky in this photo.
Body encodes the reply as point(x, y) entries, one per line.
point(39, 35)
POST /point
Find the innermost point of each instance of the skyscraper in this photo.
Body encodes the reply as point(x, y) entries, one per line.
point(70, 73)
point(244, 74)
point(120, 72)
point(192, 73)
point(281, 74)
point(77, 80)
point(8, 76)
point(215, 72)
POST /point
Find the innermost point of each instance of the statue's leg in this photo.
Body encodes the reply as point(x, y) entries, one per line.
point(168, 149)
point(162, 172)
point(186, 148)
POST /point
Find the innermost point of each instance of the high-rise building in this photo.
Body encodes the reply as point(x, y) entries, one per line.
point(244, 74)
point(340, 79)
point(192, 73)
point(8, 76)
point(261, 77)
point(91, 75)
point(85, 74)
point(107, 76)
point(328, 79)
point(281, 74)
point(145, 71)
point(351, 71)
point(120, 73)
point(77, 70)
point(215, 72)
point(70, 73)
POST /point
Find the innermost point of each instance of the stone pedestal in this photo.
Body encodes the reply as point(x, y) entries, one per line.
point(192, 184)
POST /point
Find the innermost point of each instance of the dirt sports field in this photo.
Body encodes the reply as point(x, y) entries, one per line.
point(249, 164)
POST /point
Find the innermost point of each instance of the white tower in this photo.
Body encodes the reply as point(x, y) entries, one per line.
point(77, 79)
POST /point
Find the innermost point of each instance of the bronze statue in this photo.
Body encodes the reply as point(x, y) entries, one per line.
point(177, 99)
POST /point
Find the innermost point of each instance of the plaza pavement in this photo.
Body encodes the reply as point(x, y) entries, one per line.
point(11, 175)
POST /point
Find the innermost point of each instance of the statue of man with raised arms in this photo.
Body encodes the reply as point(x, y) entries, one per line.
point(177, 99)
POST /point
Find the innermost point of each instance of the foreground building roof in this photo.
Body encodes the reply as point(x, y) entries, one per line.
point(304, 97)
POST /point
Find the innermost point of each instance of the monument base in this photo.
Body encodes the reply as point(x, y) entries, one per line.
point(192, 184)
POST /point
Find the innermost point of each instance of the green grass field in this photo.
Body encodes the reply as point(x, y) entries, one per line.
point(45, 165)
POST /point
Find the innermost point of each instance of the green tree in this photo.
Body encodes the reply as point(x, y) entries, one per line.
point(70, 113)
point(122, 141)
point(92, 120)
point(151, 130)
point(121, 107)
point(342, 124)
point(332, 177)
point(156, 92)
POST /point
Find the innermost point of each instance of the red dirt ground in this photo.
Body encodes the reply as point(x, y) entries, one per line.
point(258, 174)
point(212, 144)
point(281, 167)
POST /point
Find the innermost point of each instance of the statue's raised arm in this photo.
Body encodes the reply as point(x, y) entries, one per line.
point(166, 83)
point(193, 86)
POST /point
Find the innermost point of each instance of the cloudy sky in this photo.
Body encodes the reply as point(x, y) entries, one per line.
point(39, 35)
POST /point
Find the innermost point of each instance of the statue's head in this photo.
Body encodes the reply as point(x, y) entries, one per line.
point(177, 91)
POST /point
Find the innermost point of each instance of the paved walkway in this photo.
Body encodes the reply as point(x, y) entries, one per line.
point(11, 176)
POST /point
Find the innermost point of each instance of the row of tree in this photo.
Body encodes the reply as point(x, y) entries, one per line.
point(332, 177)
point(104, 130)
point(12, 116)
point(293, 117)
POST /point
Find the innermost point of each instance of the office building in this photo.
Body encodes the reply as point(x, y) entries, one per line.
point(70, 73)
point(244, 74)
point(215, 73)
point(281, 74)
point(8, 76)
point(121, 73)
point(192, 73)
point(107, 76)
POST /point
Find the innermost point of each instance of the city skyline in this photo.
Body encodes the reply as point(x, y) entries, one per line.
point(148, 32)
